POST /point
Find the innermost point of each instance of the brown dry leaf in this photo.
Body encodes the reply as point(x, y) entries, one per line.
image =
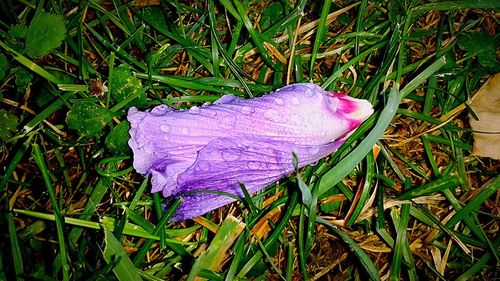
point(486, 130)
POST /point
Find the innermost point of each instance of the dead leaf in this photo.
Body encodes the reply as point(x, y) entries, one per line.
point(486, 130)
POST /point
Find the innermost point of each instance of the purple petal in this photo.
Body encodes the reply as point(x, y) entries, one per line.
point(233, 140)
point(226, 162)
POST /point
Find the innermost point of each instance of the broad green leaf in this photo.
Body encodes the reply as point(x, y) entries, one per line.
point(18, 31)
point(3, 65)
point(23, 78)
point(114, 254)
point(88, 118)
point(45, 33)
point(271, 15)
point(122, 85)
point(8, 124)
point(117, 139)
point(479, 43)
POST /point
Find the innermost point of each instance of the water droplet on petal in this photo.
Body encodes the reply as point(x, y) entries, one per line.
point(295, 101)
point(273, 159)
point(272, 115)
point(279, 101)
point(194, 110)
point(309, 93)
point(160, 110)
point(204, 165)
point(229, 155)
point(313, 150)
point(165, 128)
point(253, 165)
point(185, 131)
point(247, 110)
point(228, 121)
point(166, 137)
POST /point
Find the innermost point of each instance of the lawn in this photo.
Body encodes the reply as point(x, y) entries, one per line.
point(406, 197)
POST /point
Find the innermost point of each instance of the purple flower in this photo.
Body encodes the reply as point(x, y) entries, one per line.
point(215, 147)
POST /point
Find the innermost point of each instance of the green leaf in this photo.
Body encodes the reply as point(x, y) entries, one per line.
point(431, 187)
point(271, 15)
point(45, 33)
point(88, 118)
point(23, 78)
point(117, 139)
point(122, 85)
point(479, 43)
point(114, 254)
point(18, 31)
point(3, 65)
point(8, 124)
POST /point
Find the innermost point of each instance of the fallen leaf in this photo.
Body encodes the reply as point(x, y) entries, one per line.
point(486, 130)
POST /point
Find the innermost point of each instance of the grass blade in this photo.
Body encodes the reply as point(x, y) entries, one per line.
point(39, 159)
point(363, 257)
point(114, 254)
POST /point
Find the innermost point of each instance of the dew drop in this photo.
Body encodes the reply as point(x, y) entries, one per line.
point(273, 159)
point(279, 101)
point(194, 110)
point(229, 156)
point(309, 93)
point(247, 110)
point(253, 165)
point(185, 131)
point(272, 115)
point(160, 110)
point(165, 128)
point(228, 121)
point(204, 165)
point(313, 150)
point(295, 101)
point(166, 137)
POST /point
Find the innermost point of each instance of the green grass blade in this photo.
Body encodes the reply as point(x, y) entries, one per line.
point(401, 241)
point(345, 166)
point(320, 35)
point(363, 192)
point(31, 65)
point(12, 166)
point(256, 37)
point(114, 254)
point(227, 233)
point(61, 236)
point(17, 257)
point(363, 257)
point(430, 188)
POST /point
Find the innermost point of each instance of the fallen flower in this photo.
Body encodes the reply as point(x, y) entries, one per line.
point(215, 147)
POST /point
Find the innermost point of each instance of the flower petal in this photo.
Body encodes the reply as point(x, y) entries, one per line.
point(226, 162)
point(175, 145)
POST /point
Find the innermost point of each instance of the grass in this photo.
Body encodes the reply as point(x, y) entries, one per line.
point(403, 198)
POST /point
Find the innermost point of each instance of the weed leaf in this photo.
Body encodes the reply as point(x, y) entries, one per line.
point(124, 85)
point(8, 124)
point(479, 43)
point(117, 139)
point(88, 118)
point(45, 33)
point(3, 65)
